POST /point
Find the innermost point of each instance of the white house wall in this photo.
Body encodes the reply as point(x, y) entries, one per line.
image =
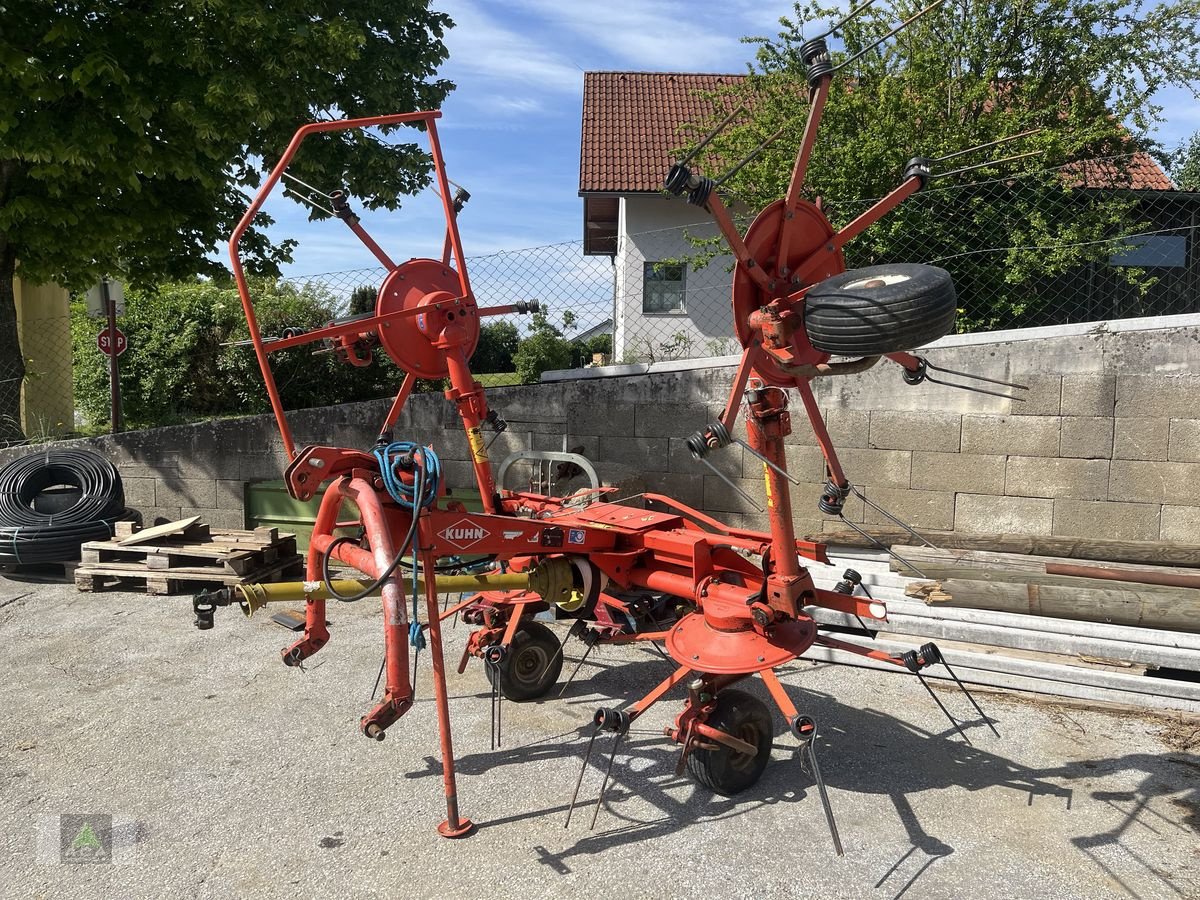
point(652, 229)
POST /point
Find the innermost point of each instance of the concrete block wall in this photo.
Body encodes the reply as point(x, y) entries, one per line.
point(1107, 443)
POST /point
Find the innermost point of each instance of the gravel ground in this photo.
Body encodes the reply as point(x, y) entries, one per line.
point(229, 775)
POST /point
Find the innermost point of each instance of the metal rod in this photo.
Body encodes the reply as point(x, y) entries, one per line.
point(991, 162)
point(816, 774)
point(586, 756)
point(749, 158)
point(942, 706)
point(288, 192)
point(743, 494)
point(875, 506)
point(575, 671)
point(975, 390)
point(937, 368)
point(712, 134)
point(291, 177)
point(604, 783)
point(882, 546)
point(891, 33)
point(995, 143)
point(792, 478)
point(850, 15)
point(963, 688)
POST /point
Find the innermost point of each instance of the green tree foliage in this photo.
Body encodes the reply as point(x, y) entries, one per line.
point(543, 350)
point(968, 73)
point(1185, 168)
point(130, 132)
point(362, 300)
point(498, 343)
point(194, 369)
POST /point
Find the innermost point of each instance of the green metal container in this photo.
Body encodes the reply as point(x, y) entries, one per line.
point(267, 503)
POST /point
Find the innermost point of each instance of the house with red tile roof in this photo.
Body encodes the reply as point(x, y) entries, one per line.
point(663, 307)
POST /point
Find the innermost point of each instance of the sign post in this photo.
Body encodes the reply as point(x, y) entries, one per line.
point(116, 346)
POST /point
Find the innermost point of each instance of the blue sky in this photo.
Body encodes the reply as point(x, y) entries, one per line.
point(510, 131)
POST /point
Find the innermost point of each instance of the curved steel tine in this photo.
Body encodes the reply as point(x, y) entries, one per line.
point(995, 143)
point(890, 34)
point(875, 506)
point(766, 462)
point(846, 18)
point(990, 162)
point(882, 546)
point(937, 368)
point(712, 134)
point(977, 390)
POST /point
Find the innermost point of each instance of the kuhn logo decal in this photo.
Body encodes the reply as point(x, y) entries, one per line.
point(464, 533)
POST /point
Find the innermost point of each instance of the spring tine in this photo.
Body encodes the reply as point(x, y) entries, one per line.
point(973, 377)
point(975, 390)
point(995, 143)
point(882, 546)
point(586, 756)
point(846, 18)
point(890, 34)
point(303, 199)
point(942, 706)
point(990, 162)
point(875, 506)
point(747, 159)
point(721, 475)
point(499, 709)
point(963, 688)
point(290, 177)
point(712, 134)
point(811, 751)
point(766, 462)
point(575, 671)
point(379, 677)
point(604, 783)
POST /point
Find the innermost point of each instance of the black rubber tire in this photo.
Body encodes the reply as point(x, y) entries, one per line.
point(532, 665)
point(847, 315)
point(723, 770)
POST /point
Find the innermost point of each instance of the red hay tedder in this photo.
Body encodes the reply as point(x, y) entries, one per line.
point(726, 603)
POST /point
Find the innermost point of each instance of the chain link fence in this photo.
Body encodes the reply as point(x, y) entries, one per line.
point(40, 404)
point(1021, 255)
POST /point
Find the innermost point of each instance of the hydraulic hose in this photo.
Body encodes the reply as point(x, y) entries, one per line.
point(33, 535)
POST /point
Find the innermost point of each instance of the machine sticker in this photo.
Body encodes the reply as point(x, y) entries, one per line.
point(513, 535)
point(478, 449)
point(767, 479)
point(576, 536)
point(464, 533)
point(552, 537)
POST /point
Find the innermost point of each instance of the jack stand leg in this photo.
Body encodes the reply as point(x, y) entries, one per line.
point(805, 730)
point(454, 826)
point(932, 653)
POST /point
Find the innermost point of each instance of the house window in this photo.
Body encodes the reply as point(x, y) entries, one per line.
point(663, 286)
point(1154, 250)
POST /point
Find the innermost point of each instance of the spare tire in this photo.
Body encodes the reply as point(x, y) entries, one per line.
point(880, 309)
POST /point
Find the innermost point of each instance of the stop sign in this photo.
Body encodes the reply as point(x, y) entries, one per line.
point(105, 341)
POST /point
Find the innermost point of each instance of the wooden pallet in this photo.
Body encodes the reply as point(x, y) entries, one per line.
point(188, 558)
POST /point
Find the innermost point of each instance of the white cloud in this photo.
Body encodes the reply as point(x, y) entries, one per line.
point(480, 46)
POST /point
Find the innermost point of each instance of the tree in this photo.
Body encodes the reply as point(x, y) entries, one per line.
point(1085, 72)
point(497, 346)
point(1185, 167)
point(202, 367)
point(131, 132)
point(544, 349)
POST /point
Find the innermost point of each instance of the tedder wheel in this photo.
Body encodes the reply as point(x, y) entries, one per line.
point(532, 665)
point(724, 770)
point(880, 309)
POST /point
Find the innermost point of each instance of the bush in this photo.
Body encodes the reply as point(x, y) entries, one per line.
point(180, 366)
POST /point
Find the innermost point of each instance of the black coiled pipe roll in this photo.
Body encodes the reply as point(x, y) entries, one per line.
point(32, 536)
